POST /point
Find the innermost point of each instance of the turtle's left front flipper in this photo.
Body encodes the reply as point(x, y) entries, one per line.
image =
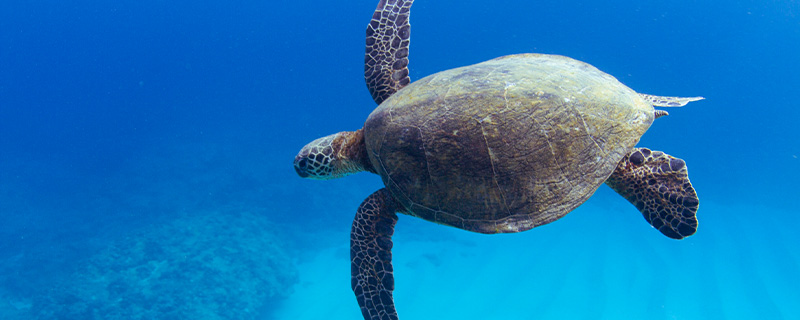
point(372, 279)
point(658, 185)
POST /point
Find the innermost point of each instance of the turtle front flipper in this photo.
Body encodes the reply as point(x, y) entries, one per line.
point(371, 256)
point(658, 185)
point(386, 59)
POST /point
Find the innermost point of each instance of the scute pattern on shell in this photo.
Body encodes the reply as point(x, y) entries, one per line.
point(504, 145)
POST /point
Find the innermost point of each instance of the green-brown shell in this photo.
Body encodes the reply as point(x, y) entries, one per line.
point(504, 145)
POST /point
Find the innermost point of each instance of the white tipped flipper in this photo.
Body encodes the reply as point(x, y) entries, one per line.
point(658, 101)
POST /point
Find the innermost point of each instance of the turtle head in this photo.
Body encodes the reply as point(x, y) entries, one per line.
point(333, 156)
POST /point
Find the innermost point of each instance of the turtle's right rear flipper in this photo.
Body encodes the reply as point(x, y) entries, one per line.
point(659, 101)
point(658, 185)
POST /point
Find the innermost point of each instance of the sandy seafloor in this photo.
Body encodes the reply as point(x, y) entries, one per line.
point(146, 149)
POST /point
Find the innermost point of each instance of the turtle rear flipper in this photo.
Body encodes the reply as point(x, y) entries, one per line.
point(372, 277)
point(658, 185)
point(659, 101)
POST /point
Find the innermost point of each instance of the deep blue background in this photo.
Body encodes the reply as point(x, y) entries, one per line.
point(116, 114)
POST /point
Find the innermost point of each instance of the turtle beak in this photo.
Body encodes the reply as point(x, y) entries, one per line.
point(301, 165)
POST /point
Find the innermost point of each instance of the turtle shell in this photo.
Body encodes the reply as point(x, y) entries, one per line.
point(504, 145)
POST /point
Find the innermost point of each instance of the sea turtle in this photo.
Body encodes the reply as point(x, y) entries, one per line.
point(496, 147)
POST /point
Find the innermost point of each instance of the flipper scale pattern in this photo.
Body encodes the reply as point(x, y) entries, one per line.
point(372, 277)
point(658, 185)
point(386, 58)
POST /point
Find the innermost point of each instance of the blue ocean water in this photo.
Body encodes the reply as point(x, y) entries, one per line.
point(146, 149)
